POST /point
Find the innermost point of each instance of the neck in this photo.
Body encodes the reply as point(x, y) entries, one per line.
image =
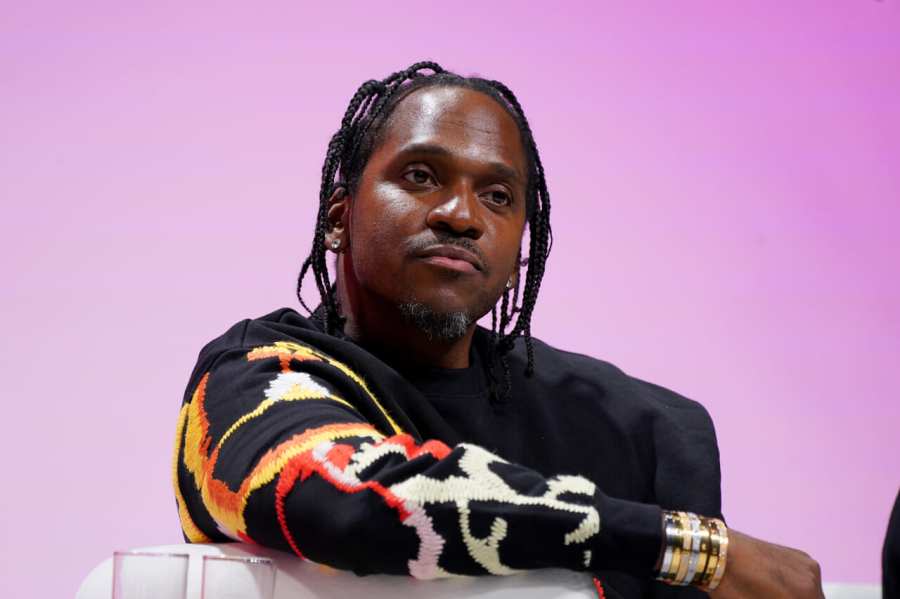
point(381, 328)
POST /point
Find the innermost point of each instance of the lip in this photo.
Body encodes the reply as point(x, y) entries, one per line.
point(453, 257)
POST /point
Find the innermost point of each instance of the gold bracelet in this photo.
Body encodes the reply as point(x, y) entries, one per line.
point(681, 574)
point(694, 552)
point(677, 555)
point(701, 567)
point(711, 563)
point(678, 544)
point(722, 533)
point(704, 553)
point(672, 540)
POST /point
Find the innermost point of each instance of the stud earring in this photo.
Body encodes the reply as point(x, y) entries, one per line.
point(335, 244)
point(509, 283)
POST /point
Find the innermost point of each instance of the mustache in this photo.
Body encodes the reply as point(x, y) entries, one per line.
point(419, 244)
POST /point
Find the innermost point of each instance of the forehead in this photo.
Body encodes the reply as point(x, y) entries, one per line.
point(469, 123)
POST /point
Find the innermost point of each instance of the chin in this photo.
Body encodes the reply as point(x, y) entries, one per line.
point(438, 325)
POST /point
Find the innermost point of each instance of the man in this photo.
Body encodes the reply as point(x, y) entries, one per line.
point(388, 433)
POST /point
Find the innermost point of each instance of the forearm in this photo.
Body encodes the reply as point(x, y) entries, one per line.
point(389, 505)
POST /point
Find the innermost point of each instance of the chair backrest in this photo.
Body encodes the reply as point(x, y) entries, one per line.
point(298, 578)
point(852, 591)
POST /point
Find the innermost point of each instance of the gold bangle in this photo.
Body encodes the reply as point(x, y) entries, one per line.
point(716, 553)
point(663, 573)
point(713, 560)
point(672, 561)
point(701, 568)
point(694, 551)
point(672, 540)
point(677, 554)
point(680, 546)
point(704, 552)
point(665, 558)
point(722, 532)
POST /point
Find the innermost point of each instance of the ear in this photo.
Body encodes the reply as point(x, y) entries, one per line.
point(337, 238)
point(513, 279)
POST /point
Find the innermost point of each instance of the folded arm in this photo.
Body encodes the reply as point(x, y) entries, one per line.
point(272, 448)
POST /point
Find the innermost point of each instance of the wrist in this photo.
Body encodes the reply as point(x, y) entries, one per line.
point(694, 550)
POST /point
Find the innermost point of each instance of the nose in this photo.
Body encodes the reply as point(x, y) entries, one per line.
point(459, 214)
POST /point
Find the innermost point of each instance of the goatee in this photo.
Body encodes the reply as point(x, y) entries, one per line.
point(437, 326)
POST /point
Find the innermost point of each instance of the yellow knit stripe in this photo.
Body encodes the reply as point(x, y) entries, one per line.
point(228, 507)
point(265, 404)
point(196, 443)
point(303, 352)
point(359, 381)
point(191, 530)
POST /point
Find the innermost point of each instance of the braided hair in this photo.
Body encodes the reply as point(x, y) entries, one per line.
point(349, 150)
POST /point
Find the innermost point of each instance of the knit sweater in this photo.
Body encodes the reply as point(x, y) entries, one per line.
point(306, 442)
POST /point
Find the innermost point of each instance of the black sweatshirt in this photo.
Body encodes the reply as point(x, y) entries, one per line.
point(298, 440)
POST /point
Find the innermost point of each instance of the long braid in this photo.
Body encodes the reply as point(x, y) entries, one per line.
point(541, 240)
point(539, 223)
point(349, 150)
point(516, 308)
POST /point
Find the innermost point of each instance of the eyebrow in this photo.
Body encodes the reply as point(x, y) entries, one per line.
point(499, 169)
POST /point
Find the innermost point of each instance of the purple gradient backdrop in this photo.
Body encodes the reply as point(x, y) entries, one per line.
point(726, 187)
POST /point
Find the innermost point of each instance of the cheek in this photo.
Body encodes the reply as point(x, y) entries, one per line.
point(509, 238)
point(393, 212)
point(381, 225)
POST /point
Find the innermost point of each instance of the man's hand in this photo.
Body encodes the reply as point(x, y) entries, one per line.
point(757, 569)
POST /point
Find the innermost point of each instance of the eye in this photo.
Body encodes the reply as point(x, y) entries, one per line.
point(499, 197)
point(419, 176)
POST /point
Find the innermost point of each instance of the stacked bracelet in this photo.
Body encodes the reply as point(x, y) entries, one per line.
point(695, 550)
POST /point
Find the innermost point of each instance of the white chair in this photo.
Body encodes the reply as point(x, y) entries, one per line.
point(298, 579)
point(835, 590)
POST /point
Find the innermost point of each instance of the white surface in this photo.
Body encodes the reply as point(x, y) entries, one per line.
point(145, 575)
point(298, 579)
point(852, 591)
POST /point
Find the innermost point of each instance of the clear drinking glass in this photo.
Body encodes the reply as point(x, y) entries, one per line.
point(146, 575)
point(237, 577)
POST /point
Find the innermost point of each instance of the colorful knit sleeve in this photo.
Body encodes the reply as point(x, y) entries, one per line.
point(272, 448)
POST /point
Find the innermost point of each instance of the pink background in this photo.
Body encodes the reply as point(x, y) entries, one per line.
point(725, 184)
